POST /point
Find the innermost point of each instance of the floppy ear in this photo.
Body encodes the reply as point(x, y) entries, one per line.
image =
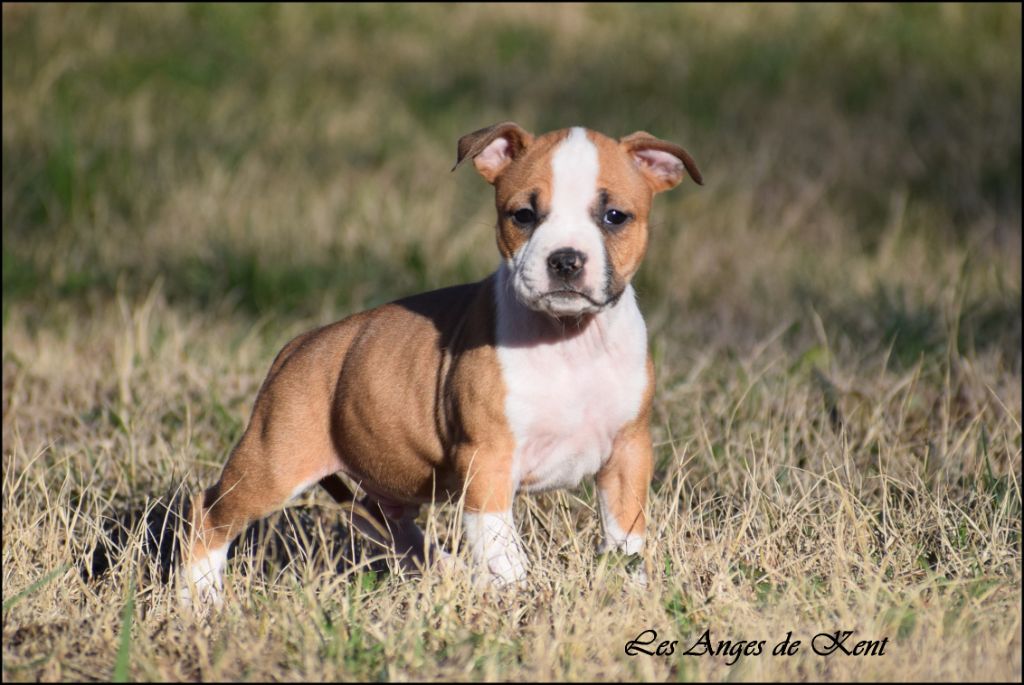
point(660, 161)
point(492, 148)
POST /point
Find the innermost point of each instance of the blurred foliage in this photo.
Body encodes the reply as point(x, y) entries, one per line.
point(835, 318)
point(199, 143)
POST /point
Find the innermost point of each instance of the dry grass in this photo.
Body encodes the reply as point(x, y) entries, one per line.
point(835, 317)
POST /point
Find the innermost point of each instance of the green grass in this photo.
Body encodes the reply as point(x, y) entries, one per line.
point(835, 318)
point(122, 664)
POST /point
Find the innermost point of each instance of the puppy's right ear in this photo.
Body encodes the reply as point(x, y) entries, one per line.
point(493, 148)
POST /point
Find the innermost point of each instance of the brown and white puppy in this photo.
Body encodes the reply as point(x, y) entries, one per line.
point(531, 379)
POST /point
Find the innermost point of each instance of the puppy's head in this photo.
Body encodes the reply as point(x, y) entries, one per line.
point(572, 208)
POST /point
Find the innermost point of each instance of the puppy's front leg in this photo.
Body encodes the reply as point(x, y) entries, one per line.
point(489, 528)
point(622, 485)
point(495, 545)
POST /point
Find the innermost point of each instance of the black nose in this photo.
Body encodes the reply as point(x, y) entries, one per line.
point(566, 263)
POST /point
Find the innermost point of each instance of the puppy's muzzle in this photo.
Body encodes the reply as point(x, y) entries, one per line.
point(566, 264)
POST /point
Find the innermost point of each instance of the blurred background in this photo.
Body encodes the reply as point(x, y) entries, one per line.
point(835, 316)
point(293, 160)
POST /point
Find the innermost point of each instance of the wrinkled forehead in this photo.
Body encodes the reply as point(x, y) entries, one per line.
point(586, 160)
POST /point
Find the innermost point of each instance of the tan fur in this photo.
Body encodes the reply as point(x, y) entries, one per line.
point(626, 476)
point(472, 144)
point(642, 140)
point(408, 399)
point(628, 190)
point(529, 175)
point(348, 397)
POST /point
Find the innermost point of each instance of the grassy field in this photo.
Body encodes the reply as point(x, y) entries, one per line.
point(835, 318)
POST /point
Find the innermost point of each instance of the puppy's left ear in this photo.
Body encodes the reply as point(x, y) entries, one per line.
point(493, 148)
point(661, 162)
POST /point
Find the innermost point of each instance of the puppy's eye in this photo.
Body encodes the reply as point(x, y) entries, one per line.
point(524, 216)
point(614, 217)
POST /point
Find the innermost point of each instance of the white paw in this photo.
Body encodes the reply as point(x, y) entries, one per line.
point(202, 582)
point(199, 595)
point(638, 576)
point(495, 546)
point(446, 563)
point(631, 562)
point(626, 544)
point(507, 569)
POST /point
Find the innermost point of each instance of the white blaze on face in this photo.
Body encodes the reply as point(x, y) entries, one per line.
point(569, 224)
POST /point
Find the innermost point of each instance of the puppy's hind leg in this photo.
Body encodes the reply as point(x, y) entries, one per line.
point(269, 466)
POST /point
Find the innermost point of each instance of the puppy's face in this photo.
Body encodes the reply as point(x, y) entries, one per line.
point(572, 209)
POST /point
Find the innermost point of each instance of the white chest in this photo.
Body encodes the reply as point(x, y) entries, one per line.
point(567, 400)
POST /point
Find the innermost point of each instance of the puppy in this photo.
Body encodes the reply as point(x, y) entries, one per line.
point(532, 379)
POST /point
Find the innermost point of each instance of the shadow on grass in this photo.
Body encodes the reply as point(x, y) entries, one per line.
point(283, 540)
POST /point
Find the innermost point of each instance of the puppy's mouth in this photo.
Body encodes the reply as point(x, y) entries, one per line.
point(570, 302)
point(566, 294)
point(562, 300)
